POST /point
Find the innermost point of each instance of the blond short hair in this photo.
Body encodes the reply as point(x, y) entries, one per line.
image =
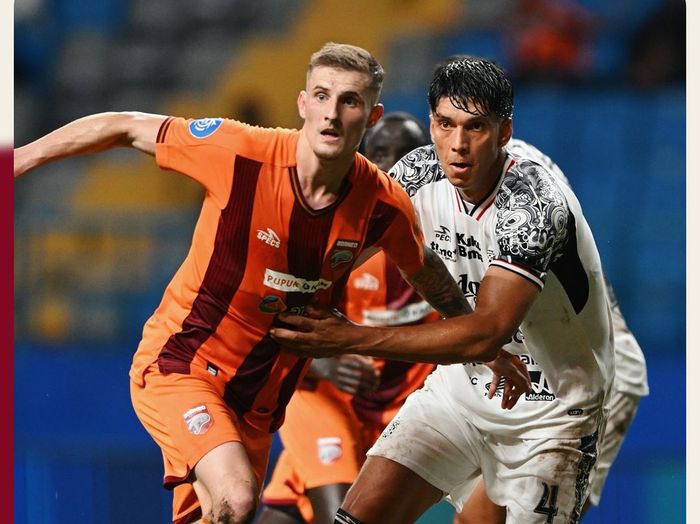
point(350, 58)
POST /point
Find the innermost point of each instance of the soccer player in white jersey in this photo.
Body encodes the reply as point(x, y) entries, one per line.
point(515, 239)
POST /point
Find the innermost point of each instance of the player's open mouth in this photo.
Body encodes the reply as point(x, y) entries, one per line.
point(460, 166)
point(330, 133)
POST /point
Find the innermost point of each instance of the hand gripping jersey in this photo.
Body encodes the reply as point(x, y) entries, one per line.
point(377, 295)
point(258, 249)
point(630, 365)
point(531, 223)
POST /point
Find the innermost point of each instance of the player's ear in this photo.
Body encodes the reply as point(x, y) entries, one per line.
point(301, 104)
point(505, 132)
point(375, 115)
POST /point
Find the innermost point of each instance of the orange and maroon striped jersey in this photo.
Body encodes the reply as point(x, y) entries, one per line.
point(258, 249)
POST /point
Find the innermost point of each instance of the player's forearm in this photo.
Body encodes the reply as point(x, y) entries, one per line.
point(91, 134)
point(453, 340)
point(435, 283)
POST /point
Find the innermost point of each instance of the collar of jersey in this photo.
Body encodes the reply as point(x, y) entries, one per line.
point(299, 195)
point(477, 210)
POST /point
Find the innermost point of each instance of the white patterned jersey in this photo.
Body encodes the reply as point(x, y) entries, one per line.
point(630, 365)
point(531, 224)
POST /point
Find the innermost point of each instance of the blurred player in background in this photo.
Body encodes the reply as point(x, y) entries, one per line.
point(344, 403)
point(286, 214)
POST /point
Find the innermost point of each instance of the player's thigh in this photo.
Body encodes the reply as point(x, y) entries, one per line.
point(540, 481)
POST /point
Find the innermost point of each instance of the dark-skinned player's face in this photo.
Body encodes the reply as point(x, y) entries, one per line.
point(392, 140)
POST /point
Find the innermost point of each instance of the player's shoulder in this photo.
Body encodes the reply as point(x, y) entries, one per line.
point(369, 178)
point(417, 169)
point(264, 144)
point(527, 181)
point(520, 149)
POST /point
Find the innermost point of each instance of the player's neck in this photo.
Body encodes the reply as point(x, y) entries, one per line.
point(482, 187)
point(320, 180)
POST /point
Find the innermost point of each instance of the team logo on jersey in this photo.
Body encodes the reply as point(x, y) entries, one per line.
point(366, 281)
point(198, 420)
point(329, 450)
point(343, 252)
point(204, 127)
point(443, 234)
point(540, 388)
point(272, 304)
point(291, 284)
point(269, 237)
point(341, 256)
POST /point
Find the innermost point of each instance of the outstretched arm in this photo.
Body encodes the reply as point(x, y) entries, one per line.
point(504, 299)
point(91, 134)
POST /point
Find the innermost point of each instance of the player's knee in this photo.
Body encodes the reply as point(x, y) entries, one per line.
point(235, 508)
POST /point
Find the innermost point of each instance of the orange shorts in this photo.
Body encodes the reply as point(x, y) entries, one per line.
point(324, 443)
point(187, 417)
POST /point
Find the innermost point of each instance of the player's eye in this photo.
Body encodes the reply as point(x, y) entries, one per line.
point(350, 101)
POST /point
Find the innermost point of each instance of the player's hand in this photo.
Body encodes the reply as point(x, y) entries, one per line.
point(515, 375)
point(354, 374)
point(323, 333)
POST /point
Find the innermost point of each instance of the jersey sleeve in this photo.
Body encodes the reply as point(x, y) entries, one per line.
point(202, 149)
point(416, 169)
point(402, 238)
point(532, 223)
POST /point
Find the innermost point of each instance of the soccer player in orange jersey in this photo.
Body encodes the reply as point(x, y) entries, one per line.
point(286, 215)
point(345, 402)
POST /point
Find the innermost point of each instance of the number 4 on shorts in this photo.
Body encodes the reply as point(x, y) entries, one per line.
point(548, 502)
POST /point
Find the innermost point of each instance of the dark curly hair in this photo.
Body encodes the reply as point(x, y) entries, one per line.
point(465, 78)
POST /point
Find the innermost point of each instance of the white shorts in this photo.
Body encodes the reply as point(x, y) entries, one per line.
point(542, 481)
point(622, 407)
